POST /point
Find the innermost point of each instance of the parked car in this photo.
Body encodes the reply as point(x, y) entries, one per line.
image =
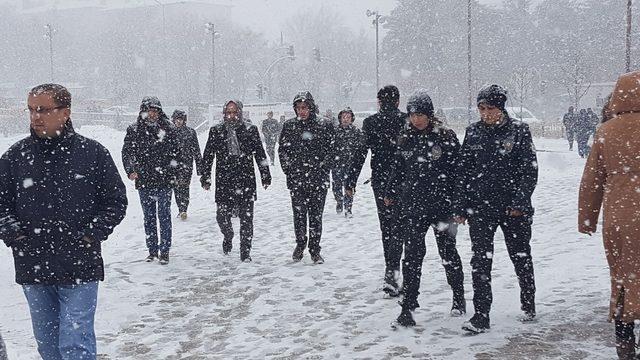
point(458, 116)
point(522, 114)
point(121, 110)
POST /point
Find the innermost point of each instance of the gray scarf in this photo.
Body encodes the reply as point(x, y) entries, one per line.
point(232, 138)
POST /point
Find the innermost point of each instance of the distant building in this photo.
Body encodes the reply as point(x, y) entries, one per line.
point(211, 9)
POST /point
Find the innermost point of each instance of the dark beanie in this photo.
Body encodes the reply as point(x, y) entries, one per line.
point(389, 94)
point(179, 114)
point(150, 102)
point(420, 102)
point(494, 95)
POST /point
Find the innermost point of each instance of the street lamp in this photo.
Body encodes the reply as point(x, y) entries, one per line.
point(48, 34)
point(377, 18)
point(210, 28)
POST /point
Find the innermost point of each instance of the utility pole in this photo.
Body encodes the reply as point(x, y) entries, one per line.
point(628, 40)
point(48, 34)
point(469, 82)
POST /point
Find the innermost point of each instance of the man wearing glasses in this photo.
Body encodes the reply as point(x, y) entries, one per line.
point(60, 197)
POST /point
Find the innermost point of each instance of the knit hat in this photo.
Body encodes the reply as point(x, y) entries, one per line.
point(420, 102)
point(493, 95)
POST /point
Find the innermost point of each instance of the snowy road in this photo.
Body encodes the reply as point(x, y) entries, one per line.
point(208, 306)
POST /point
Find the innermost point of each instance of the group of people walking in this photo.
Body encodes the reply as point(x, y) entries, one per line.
point(579, 126)
point(61, 196)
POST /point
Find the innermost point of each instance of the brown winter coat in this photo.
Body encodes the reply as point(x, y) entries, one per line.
point(611, 179)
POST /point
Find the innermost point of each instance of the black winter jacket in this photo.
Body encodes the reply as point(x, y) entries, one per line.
point(349, 142)
point(151, 151)
point(381, 132)
point(54, 193)
point(307, 152)
point(423, 174)
point(235, 175)
point(498, 170)
point(188, 152)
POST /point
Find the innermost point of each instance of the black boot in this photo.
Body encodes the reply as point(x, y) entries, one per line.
point(477, 324)
point(406, 318)
point(298, 252)
point(390, 286)
point(459, 306)
point(339, 207)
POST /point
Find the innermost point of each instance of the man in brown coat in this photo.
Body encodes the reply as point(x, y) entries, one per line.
point(611, 179)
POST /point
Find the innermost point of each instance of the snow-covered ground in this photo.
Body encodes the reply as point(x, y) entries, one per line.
point(205, 305)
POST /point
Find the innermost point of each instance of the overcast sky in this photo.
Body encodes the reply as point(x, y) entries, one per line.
point(267, 16)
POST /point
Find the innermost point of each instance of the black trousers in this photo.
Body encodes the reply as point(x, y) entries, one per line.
point(181, 193)
point(583, 145)
point(517, 234)
point(389, 217)
point(245, 213)
point(308, 206)
point(414, 252)
point(270, 147)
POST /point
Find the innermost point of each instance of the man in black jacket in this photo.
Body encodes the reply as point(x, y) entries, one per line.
point(306, 151)
point(381, 131)
point(496, 178)
point(569, 121)
point(235, 144)
point(349, 140)
point(422, 184)
point(150, 158)
point(188, 152)
point(60, 197)
point(271, 132)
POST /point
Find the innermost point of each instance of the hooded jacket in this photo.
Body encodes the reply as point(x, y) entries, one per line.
point(611, 181)
point(151, 150)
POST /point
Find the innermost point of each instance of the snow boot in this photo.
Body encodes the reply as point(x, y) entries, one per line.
point(459, 306)
point(298, 252)
point(339, 208)
point(477, 324)
point(406, 318)
point(317, 259)
point(152, 255)
point(164, 258)
point(390, 286)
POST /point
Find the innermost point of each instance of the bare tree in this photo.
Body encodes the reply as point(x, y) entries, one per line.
point(575, 76)
point(521, 84)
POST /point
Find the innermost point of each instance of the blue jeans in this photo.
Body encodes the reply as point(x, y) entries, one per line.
point(156, 205)
point(62, 319)
point(339, 176)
